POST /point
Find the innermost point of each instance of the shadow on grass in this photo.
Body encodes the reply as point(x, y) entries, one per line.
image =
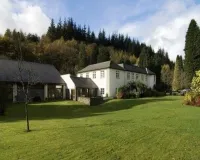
point(70, 109)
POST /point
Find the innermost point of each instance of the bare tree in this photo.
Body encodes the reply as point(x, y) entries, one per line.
point(27, 78)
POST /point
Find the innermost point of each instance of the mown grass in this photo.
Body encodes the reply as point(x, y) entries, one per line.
point(151, 128)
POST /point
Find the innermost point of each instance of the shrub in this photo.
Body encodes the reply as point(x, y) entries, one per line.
point(153, 93)
point(190, 98)
point(196, 83)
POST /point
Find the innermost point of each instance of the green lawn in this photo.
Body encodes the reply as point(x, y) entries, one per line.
point(152, 128)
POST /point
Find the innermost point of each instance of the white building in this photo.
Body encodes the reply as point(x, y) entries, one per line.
point(109, 76)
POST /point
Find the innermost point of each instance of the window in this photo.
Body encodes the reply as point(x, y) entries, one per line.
point(81, 75)
point(117, 74)
point(128, 76)
point(102, 91)
point(102, 74)
point(94, 75)
point(142, 77)
point(146, 77)
point(87, 75)
point(137, 76)
point(133, 76)
point(154, 78)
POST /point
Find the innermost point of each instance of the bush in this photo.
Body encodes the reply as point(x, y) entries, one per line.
point(153, 93)
point(191, 98)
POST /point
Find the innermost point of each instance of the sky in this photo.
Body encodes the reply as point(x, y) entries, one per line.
point(159, 23)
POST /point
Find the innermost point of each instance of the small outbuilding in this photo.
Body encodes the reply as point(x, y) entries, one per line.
point(48, 83)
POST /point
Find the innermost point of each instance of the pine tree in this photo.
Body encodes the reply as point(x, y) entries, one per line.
point(82, 56)
point(8, 33)
point(51, 33)
point(191, 51)
point(59, 29)
point(177, 81)
point(145, 57)
point(103, 55)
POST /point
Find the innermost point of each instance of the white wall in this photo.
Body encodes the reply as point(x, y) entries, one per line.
point(69, 83)
point(110, 83)
point(100, 82)
point(151, 81)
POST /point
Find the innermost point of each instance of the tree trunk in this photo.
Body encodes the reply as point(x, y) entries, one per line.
point(27, 117)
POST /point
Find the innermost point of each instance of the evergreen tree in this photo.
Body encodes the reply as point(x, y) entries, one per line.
point(145, 57)
point(8, 33)
point(191, 51)
point(177, 81)
point(51, 33)
point(82, 56)
point(59, 29)
point(103, 55)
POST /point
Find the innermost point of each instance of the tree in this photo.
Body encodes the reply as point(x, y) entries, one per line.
point(92, 53)
point(82, 56)
point(191, 51)
point(51, 33)
point(104, 54)
point(27, 77)
point(196, 83)
point(8, 33)
point(177, 82)
point(166, 76)
point(145, 57)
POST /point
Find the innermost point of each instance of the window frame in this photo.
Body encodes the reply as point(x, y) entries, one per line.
point(102, 74)
point(87, 75)
point(137, 76)
point(117, 74)
point(94, 75)
point(102, 91)
point(128, 75)
point(133, 76)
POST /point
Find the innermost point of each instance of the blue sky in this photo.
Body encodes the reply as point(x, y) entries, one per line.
point(159, 23)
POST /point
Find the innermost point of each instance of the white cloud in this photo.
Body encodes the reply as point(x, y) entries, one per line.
point(23, 15)
point(166, 28)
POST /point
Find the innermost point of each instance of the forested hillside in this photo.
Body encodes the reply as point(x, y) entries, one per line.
point(70, 47)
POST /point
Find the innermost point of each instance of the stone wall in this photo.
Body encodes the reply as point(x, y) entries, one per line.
point(93, 101)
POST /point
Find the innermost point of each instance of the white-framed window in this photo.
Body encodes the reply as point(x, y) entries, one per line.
point(128, 75)
point(102, 90)
point(81, 75)
point(142, 77)
point(133, 76)
point(146, 77)
point(117, 75)
point(87, 75)
point(137, 76)
point(102, 74)
point(94, 75)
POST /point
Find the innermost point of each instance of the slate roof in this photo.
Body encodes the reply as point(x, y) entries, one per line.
point(42, 73)
point(136, 69)
point(81, 82)
point(102, 65)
